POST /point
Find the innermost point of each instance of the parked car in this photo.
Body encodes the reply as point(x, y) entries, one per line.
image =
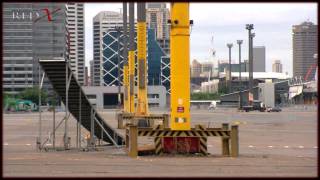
point(273, 109)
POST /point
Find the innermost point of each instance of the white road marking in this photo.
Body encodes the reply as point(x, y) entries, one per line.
point(49, 144)
point(286, 146)
point(250, 146)
point(301, 147)
point(5, 144)
point(270, 146)
point(28, 144)
point(315, 147)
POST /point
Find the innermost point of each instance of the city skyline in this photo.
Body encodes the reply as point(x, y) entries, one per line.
point(227, 27)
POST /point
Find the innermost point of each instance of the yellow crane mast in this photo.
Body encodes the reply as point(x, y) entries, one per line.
point(142, 104)
point(180, 68)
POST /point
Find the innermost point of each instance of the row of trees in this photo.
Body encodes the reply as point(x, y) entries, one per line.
point(32, 94)
point(209, 96)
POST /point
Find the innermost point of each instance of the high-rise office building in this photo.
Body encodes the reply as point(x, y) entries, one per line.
point(155, 54)
point(91, 72)
point(102, 22)
point(112, 56)
point(75, 34)
point(195, 68)
point(17, 48)
point(305, 45)
point(86, 76)
point(29, 34)
point(157, 15)
point(259, 59)
point(277, 66)
point(49, 37)
point(206, 69)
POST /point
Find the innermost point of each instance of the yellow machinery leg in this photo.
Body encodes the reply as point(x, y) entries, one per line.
point(180, 66)
point(131, 57)
point(126, 89)
point(131, 81)
point(126, 102)
point(142, 104)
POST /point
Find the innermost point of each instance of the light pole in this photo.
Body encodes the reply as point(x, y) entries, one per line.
point(239, 42)
point(229, 45)
point(249, 27)
point(118, 29)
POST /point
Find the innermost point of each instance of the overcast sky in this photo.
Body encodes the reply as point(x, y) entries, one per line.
point(226, 23)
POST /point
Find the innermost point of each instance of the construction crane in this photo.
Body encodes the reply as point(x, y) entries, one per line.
point(179, 137)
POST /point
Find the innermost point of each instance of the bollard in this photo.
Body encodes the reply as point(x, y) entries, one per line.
point(127, 139)
point(120, 121)
point(166, 120)
point(234, 141)
point(133, 141)
point(225, 141)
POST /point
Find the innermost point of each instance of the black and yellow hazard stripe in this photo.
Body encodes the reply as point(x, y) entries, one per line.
point(203, 145)
point(193, 133)
point(158, 145)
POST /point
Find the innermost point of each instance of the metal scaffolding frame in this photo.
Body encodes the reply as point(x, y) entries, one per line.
point(77, 104)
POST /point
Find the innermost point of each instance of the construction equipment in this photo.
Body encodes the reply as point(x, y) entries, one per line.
point(180, 137)
point(139, 115)
point(180, 68)
point(142, 105)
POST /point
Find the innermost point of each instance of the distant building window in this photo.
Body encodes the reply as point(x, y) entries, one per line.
point(91, 96)
point(153, 96)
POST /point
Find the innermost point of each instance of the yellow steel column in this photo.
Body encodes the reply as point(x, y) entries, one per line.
point(180, 72)
point(142, 104)
point(131, 57)
point(126, 104)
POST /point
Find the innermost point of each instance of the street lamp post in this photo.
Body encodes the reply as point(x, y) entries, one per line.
point(239, 42)
point(229, 45)
point(249, 27)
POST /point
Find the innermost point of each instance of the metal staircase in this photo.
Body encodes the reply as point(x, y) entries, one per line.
point(60, 75)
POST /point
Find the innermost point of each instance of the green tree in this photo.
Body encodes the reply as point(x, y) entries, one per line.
point(32, 94)
point(205, 96)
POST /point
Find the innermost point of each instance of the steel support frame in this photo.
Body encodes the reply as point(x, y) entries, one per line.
point(39, 139)
point(132, 133)
point(66, 134)
point(92, 139)
point(106, 132)
point(130, 118)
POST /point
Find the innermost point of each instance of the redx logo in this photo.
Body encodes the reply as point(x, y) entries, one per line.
point(34, 15)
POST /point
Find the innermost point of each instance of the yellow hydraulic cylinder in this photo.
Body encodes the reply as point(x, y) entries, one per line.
point(180, 67)
point(142, 104)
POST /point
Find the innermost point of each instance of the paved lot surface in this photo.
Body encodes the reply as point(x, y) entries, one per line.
point(271, 144)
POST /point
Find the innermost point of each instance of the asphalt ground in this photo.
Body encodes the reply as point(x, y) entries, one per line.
point(277, 144)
